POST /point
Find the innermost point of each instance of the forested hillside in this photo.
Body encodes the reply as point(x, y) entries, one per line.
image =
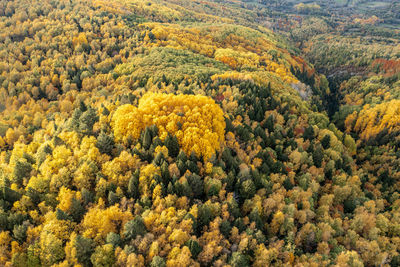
point(189, 133)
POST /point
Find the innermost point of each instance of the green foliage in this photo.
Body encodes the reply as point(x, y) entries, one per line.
point(318, 156)
point(247, 189)
point(157, 261)
point(22, 169)
point(105, 143)
point(326, 141)
point(194, 247)
point(239, 260)
point(19, 232)
point(103, 256)
point(171, 142)
point(84, 248)
point(171, 63)
point(134, 228)
point(113, 239)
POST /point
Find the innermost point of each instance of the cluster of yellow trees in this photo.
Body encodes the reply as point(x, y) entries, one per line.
point(196, 121)
point(371, 121)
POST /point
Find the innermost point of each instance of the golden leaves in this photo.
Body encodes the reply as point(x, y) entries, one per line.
point(197, 121)
point(373, 120)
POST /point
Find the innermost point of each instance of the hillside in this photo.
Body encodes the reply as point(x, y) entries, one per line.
point(178, 133)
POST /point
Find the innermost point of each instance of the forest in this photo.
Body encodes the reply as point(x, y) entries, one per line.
point(169, 133)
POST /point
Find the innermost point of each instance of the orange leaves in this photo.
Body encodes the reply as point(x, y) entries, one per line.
point(389, 67)
point(196, 121)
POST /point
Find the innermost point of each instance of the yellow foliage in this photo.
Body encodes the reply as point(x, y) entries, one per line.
point(196, 121)
point(65, 197)
point(178, 236)
point(145, 179)
point(373, 120)
point(80, 39)
point(236, 59)
point(180, 257)
point(162, 149)
point(98, 222)
point(120, 169)
point(277, 220)
point(5, 240)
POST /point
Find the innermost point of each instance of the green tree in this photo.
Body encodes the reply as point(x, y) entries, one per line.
point(309, 133)
point(105, 143)
point(318, 156)
point(103, 256)
point(19, 232)
point(22, 170)
point(113, 239)
point(134, 227)
point(147, 138)
point(326, 141)
point(133, 185)
point(171, 142)
point(239, 260)
point(247, 189)
point(194, 247)
point(87, 120)
point(157, 261)
point(84, 248)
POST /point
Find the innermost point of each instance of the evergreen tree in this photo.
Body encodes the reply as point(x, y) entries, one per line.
point(84, 249)
point(157, 261)
point(147, 138)
point(105, 143)
point(134, 227)
point(309, 133)
point(171, 142)
point(318, 156)
point(87, 120)
point(326, 141)
point(113, 239)
point(194, 247)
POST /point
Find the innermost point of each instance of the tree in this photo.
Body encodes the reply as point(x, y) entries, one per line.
point(133, 185)
point(147, 138)
point(350, 144)
point(105, 143)
point(318, 156)
point(269, 123)
point(103, 256)
point(171, 142)
point(309, 133)
point(113, 239)
point(80, 249)
point(19, 232)
point(157, 261)
point(194, 247)
point(87, 120)
point(98, 222)
point(22, 169)
point(51, 249)
point(326, 141)
point(196, 184)
point(239, 260)
point(247, 189)
point(134, 227)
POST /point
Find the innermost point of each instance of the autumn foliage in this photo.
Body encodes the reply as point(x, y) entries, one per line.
point(196, 121)
point(188, 133)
